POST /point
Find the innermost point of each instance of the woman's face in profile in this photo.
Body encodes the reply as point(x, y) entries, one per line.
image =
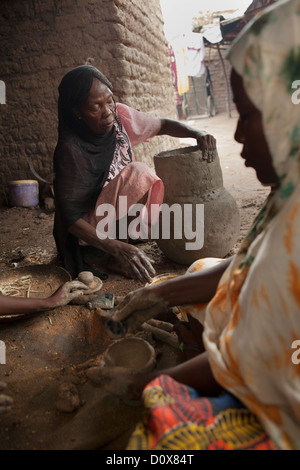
point(98, 109)
point(250, 133)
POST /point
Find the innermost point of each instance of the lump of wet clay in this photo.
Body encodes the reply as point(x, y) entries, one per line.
point(67, 398)
point(94, 284)
point(86, 277)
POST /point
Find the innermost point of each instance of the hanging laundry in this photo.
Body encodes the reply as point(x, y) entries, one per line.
point(195, 54)
point(179, 48)
point(212, 33)
point(174, 73)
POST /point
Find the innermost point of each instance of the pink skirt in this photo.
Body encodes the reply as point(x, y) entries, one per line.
point(119, 200)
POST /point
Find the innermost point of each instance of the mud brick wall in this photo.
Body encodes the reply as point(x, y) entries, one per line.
point(213, 61)
point(40, 40)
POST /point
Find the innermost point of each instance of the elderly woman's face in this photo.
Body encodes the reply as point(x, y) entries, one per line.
point(97, 112)
point(250, 133)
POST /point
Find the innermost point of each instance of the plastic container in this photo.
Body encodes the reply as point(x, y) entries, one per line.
point(23, 193)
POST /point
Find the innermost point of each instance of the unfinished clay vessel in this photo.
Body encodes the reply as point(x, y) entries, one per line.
point(196, 187)
point(133, 353)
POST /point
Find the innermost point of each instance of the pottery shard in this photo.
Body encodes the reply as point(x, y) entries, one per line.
point(68, 398)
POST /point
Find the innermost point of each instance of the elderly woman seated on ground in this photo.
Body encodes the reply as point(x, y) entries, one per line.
point(243, 390)
point(94, 166)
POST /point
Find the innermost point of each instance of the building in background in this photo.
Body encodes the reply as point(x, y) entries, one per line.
point(207, 85)
point(41, 40)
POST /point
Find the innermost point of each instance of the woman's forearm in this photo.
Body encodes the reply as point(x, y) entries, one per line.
point(178, 129)
point(131, 261)
point(199, 287)
point(194, 373)
point(86, 232)
point(14, 305)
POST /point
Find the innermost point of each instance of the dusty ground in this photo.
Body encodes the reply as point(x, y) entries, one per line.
point(57, 347)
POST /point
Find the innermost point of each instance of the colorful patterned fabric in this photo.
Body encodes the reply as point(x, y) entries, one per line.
point(178, 418)
point(253, 320)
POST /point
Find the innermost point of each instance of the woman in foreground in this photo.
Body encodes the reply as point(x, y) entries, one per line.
point(243, 391)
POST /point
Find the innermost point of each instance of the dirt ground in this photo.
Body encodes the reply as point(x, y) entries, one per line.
point(58, 347)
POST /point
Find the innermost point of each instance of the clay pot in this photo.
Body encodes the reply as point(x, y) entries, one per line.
point(132, 353)
point(197, 187)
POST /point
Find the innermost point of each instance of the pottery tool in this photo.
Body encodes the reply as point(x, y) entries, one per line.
point(105, 301)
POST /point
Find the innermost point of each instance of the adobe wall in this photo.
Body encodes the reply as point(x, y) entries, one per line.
point(213, 61)
point(41, 40)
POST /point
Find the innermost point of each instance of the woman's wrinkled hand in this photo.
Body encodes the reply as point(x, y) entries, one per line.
point(67, 292)
point(208, 145)
point(133, 262)
point(138, 307)
point(5, 401)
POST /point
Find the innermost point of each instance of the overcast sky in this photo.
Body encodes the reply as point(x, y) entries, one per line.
point(178, 14)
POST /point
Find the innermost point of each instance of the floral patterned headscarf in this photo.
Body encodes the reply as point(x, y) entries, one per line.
point(267, 57)
point(253, 321)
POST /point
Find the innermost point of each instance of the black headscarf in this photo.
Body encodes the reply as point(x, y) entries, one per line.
point(81, 163)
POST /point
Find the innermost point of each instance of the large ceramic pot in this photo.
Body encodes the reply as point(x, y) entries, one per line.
point(210, 220)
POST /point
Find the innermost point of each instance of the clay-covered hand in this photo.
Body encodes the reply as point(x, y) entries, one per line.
point(67, 292)
point(134, 262)
point(138, 307)
point(5, 401)
point(207, 144)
